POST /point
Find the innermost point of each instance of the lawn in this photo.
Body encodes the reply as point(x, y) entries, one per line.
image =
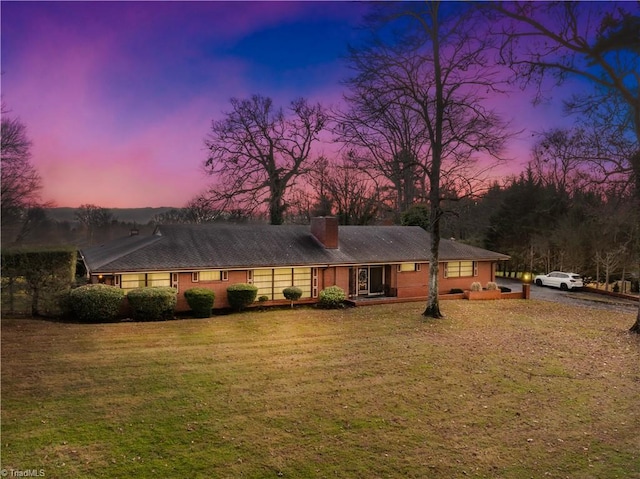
point(498, 389)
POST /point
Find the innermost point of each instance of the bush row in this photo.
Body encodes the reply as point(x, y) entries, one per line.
point(96, 303)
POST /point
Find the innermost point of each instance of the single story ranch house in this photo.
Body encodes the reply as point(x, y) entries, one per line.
point(365, 261)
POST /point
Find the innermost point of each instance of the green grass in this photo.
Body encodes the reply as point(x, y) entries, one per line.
point(506, 389)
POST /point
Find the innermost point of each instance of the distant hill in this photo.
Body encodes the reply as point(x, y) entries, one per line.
point(140, 216)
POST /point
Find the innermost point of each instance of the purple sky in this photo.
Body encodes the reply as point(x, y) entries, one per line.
point(118, 97)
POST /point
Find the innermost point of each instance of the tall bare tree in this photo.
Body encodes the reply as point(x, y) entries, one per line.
point(390, 137)
point(21, 183)
point(257, 151)
point(354, 195)
point(435, 67)
point(93, 219)
point(598, 43)
point(557, 159)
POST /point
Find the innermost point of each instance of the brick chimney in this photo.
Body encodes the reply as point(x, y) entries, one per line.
point(325, 229)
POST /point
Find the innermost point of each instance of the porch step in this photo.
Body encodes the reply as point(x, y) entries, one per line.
point(381, 300)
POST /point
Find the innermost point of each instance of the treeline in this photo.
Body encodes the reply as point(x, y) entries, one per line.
point(541, 223)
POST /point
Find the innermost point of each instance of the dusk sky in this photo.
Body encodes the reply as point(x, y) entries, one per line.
point(117, 97)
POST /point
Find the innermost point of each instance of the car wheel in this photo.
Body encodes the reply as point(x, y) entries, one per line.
point(538, 282)
point(564, 287)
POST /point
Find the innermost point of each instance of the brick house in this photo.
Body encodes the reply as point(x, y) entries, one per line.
point(365, 261)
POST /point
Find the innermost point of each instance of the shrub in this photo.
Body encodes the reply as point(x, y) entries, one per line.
point(476, 286)
point(152, 304)
point(65, 303)
point(200, 300)
point(241, 295)
point(292, 293)
point(264, 298)
point(332, 297)
point(492, 286)
point(456, 291)
point(96, 303)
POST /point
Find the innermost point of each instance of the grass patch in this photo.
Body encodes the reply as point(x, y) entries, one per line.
point(497, 389)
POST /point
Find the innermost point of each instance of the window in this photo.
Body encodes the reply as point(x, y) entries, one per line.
point(158, 279)
point(403, 267)
point(302, 278)
point(263, 280)
point(133, 281)
point(270, 282)
point(209, 275)
point(141, 280)
point(460, 269)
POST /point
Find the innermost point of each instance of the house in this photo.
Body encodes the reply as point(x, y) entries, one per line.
point(365, 261)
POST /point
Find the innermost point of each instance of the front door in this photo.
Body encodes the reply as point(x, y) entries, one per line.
point(370, 280)
point(363, 281)
point(376, 280)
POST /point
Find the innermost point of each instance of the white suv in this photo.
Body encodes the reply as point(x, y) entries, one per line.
point(561, 280)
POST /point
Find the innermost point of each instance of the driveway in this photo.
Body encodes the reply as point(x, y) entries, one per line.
point(576, 298)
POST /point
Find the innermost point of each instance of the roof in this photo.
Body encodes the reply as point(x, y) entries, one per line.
point(229, 246)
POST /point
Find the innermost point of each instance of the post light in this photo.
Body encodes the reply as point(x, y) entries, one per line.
point(526, 277)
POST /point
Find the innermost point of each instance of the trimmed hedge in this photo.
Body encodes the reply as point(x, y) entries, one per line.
point(96, 303)
point(152, 304)
point(241, 295)
point(292, 293)
point(332, 297)
point(200, 300)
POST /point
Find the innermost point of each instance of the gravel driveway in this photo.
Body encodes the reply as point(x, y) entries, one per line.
point(576, 298)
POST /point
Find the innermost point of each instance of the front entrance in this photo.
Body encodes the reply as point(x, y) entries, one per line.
point(370, 280)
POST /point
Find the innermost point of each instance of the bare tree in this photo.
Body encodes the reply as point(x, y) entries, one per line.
point(390, 137)
point(344, 190)
point(93, 219)
point(558, 159)
point(257, 152)
point(21, 183)
point(201, 210)
point(353, 193)
point(594, 41)
point(436, 68)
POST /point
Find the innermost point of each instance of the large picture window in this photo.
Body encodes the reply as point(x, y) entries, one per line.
point(460, 269)
point(270, 282)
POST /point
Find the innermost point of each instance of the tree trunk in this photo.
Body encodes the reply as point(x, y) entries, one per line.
point(35, 299)
point(433, 304)
point(636, 326)
point(276, 208)
point(636, 164)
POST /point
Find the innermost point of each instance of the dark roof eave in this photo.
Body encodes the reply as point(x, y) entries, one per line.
point(189, 269)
